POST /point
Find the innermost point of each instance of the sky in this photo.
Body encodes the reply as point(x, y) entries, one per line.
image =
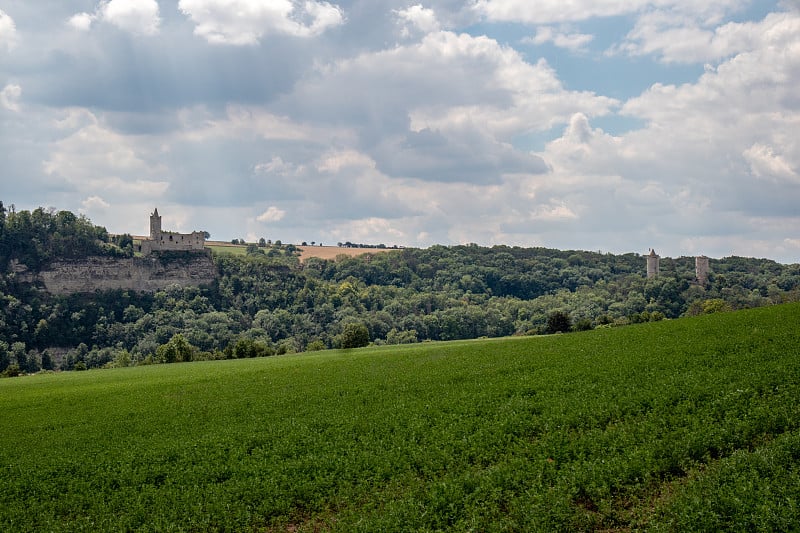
point(610, 125)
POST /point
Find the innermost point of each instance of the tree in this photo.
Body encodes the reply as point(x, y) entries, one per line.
point(176, 350)
point(315, 346)
point(253, 249)
point(123, 240)
point(246, 348)
point(2, 227)
point(47, 361)
point(354, 335)
point(5, 360)
point(559, 322)
point(19, 356)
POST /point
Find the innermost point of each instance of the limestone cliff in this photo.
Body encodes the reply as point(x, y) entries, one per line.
point(142, 274)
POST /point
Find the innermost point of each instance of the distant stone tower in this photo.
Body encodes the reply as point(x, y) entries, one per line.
point(155, 225)
point(701, 269)
point(652, 264)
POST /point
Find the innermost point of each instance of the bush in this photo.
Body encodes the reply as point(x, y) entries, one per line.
point(354, 335)
point(11, 371)
point(315, 346)
point(246, 348)
point(559, 322)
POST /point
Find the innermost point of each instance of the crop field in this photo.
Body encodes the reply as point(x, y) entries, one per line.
point(306, 252)
point(691, 424)
point(226, 248)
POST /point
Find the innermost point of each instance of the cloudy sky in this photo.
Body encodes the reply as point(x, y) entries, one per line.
point(586, 124)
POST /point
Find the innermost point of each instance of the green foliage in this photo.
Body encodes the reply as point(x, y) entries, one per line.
point(707, 307)
point(354, 335)
point(11, 371)
point(401, 337)
point(33, 238)
point(5, 358)
point(689, 424)
point(315, 346)
point(245, 348)
point(559, 322)
point(176, 350)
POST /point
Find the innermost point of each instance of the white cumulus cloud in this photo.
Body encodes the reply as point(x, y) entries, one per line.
point(554, 11)
point(8, 32)
point(245, 22)
point(765, 163)
point(571, 41)
point(272, 214)
point(417, 18)
point(81, 21)
point(95, 203)
point(676, 39)
point(9, 96)
point(134, 16)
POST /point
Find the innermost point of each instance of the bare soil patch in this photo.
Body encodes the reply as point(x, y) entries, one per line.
point(331, 252)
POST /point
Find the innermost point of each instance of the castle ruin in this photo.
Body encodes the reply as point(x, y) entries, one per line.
point(167, 240)
point(701, 269)
point(652, 264)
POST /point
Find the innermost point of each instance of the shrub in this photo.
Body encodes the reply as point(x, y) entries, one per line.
point(11, 371)
point(354, 335)
point(315, 346)
point(559, 322)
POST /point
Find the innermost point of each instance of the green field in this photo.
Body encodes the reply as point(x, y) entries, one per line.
point(232, 249)
point(692, 424)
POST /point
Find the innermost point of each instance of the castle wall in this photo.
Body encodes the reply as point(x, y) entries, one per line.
point(141, 274)
point(170, 241)
point(181, 242)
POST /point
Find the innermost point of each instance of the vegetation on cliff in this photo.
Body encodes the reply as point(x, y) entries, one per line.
point(32, 238)
point(267, 302)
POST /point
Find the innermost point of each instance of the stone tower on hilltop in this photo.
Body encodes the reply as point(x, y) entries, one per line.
point(652, 264)
point(701, 269)
point(167, 240)
point(155, 225)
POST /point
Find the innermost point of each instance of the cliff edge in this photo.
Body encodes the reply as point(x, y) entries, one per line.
point(141, 274)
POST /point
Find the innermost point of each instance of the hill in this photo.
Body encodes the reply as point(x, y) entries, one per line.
point(262, 300)
point(692, 424)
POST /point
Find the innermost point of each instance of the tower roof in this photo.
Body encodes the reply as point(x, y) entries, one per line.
point(155, 212)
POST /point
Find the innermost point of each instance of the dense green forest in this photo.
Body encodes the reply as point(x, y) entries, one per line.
point(268, 302)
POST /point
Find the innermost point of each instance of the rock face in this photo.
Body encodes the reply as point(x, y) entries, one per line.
point(141, 274)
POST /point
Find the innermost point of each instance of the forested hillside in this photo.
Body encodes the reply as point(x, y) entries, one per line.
point(269, 302)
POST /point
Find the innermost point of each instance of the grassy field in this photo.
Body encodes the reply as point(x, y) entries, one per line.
point(226, 248)
point(682, 425)
point(322, 252)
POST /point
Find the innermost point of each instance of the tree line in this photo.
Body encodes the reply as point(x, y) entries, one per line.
point(271, 303)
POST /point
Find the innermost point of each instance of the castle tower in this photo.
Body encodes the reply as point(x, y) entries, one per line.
point(652, 264)
point(701, 269)
point(155, 225)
